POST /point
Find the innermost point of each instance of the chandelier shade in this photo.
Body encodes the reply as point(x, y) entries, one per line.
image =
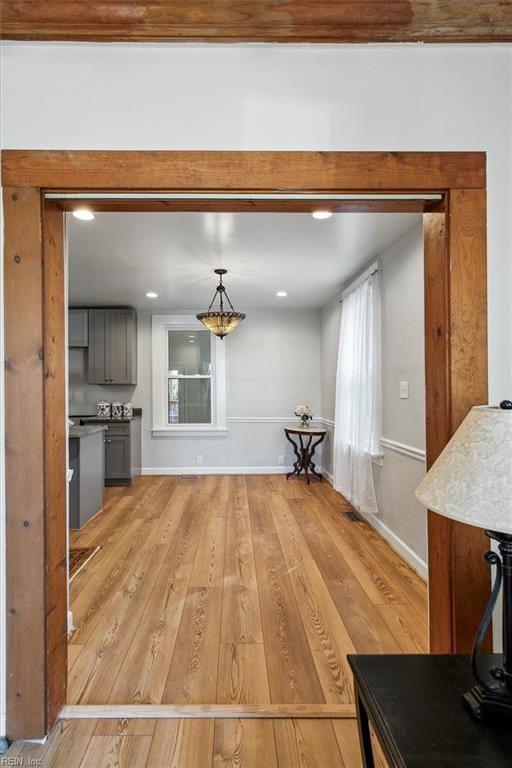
point(220, 321)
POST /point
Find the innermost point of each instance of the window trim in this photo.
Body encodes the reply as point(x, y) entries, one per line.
point(160, 325)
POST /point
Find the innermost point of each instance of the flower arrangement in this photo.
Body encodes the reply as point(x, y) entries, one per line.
point(305, 414)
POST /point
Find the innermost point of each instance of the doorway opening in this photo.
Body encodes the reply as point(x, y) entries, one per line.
point(455, 331)
point(243, 572)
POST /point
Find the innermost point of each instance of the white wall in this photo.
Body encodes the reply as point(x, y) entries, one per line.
point(86, 96)
point(401, 519)
point(272, 365)
point(403, 420)
point(57, 96)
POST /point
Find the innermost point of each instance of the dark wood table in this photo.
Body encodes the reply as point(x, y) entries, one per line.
point(414, 703)
point(304, 449)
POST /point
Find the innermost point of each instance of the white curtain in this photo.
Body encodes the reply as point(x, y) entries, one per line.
point(358, 395)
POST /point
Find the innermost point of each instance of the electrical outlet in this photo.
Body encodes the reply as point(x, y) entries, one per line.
point(280, 459)
point(199, 458)
point(404, 390)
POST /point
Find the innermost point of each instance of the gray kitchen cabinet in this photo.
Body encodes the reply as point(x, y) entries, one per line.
point(87, 483)
point(78, 328)
point(122, 451)
point(112, 346)
point(117, 457)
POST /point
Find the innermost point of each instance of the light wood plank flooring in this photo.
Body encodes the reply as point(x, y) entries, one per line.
point(234, 590)
point(196, 744)
point(227, 590)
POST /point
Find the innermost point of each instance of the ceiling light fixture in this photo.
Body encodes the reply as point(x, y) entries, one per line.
point(281, 294)
point(322, 214)
point(220, 322)
point(84, 214)
point(152, 295)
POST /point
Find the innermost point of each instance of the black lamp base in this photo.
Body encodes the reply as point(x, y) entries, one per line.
point(481, 703)
point(494, 697)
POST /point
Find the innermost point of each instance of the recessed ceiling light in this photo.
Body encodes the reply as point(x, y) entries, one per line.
point(152, 295)
point(84, 214)
point(281, 294)
point(322, 214)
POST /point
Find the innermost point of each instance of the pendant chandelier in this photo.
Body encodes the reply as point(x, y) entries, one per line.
point(220, 322)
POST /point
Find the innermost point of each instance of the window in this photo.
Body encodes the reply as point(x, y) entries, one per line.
point(188, 378)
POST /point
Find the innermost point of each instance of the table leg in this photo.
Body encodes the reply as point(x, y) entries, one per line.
point(305, 456)
point(296, 466)
point(365, 738)
point(312, 465)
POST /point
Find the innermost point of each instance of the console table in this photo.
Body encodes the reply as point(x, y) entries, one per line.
point(304, 449)
point(414, 703)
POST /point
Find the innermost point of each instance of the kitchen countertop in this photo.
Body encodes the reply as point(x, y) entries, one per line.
point(100, 420)
point(91, 418)
point(78, 432)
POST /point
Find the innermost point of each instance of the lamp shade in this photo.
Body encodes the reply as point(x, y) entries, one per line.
point(471, 481)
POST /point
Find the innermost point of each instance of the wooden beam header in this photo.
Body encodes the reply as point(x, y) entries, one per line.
point(287, 21)
point(322, 172)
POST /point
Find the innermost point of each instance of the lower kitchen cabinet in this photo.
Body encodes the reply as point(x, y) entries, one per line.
point(122, 452)
point(122, 448)
point(86, 485)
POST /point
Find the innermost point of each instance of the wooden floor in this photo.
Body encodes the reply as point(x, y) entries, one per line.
point(196, 744)
point(227, 590)
point(234, 589)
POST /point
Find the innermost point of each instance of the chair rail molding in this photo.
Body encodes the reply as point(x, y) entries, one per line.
point(327, 422)
point(406, 450)
point(259, 419)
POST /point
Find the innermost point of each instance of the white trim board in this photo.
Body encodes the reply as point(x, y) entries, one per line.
point(326, 422)
point(328, 476)
point(200, 470)
point(406, 450)
point(398, 545)
point(262, 419)
point(160, 326)
point(394, 541)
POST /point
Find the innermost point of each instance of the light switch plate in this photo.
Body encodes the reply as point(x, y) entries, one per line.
point(404, 390)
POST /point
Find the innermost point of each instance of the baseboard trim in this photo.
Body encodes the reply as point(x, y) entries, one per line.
point(398, 545)
point(206, 711)
point(200, 470)
point(328, 476)
point(394, 541)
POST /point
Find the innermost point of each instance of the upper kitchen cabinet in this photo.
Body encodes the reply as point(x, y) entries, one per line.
point(112, 346)
point(78, 328)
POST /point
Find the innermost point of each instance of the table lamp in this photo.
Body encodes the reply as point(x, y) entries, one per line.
point(471, 482)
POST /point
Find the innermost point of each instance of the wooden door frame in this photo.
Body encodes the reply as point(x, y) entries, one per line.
point(456, 365)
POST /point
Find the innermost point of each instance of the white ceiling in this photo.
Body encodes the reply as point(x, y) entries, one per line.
point(118, 257)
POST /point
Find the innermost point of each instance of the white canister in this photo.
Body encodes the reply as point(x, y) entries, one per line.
point(117, 410)
point(103, 409)
point(127, 411)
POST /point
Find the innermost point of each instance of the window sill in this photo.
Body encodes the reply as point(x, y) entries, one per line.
point(189, 432)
